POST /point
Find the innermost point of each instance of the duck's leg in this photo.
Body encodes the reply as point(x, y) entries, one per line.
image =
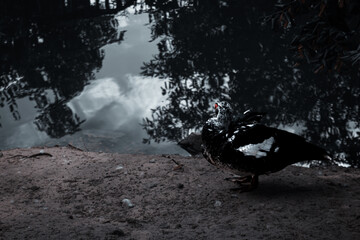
point(252, 179)
point(239, 179)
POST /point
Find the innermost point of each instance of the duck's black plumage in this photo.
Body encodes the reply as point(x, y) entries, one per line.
point(244, 145)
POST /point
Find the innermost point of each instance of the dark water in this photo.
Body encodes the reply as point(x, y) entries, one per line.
point(142, 78)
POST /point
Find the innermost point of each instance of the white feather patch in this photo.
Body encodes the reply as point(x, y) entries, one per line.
point(231, 139)
point(258, 150)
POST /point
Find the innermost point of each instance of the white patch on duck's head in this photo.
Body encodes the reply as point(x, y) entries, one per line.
point(223, 113)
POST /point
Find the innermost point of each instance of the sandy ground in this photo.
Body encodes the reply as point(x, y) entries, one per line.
point(64, 193)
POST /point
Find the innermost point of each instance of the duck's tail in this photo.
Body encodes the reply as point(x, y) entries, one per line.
point(320, 154)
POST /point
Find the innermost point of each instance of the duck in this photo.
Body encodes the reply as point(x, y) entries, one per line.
point(248, 148)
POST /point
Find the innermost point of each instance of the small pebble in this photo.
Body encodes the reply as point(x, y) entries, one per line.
point(217, 203)
point(153, 160)
point(42, 151)
point(119, 167)
point(180, 186)
point(127, 202)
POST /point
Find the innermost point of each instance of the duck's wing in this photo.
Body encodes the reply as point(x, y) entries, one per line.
point(253, 140)
point(251, 116)
point(247, 118)
point(264, 149)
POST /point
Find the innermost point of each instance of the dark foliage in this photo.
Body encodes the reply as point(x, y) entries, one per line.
point(329, 37)
point(216, 50)
point(60, 9)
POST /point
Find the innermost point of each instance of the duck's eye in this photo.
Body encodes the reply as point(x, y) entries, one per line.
point(216, 105)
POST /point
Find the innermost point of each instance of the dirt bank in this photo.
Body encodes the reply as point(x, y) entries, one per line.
point(64, 193)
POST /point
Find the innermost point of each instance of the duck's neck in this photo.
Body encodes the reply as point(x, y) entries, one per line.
point(223, 121)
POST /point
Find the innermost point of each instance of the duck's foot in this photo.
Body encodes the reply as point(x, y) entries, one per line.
point(239, 179)
point(251, 183)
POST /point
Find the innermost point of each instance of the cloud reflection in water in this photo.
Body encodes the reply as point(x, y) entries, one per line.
point(113, 109)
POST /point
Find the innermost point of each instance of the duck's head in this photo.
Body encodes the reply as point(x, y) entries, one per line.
point(223, 109)
point(223, 113)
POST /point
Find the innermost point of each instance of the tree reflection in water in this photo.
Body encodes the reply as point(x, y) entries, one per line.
point(218, 50)
point(208, 51)
point(50, 62)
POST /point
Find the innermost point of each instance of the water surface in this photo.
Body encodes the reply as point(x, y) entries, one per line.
point(140, 80)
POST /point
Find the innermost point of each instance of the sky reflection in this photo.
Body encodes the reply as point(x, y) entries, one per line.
point(113, 109)
point(112, 105)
